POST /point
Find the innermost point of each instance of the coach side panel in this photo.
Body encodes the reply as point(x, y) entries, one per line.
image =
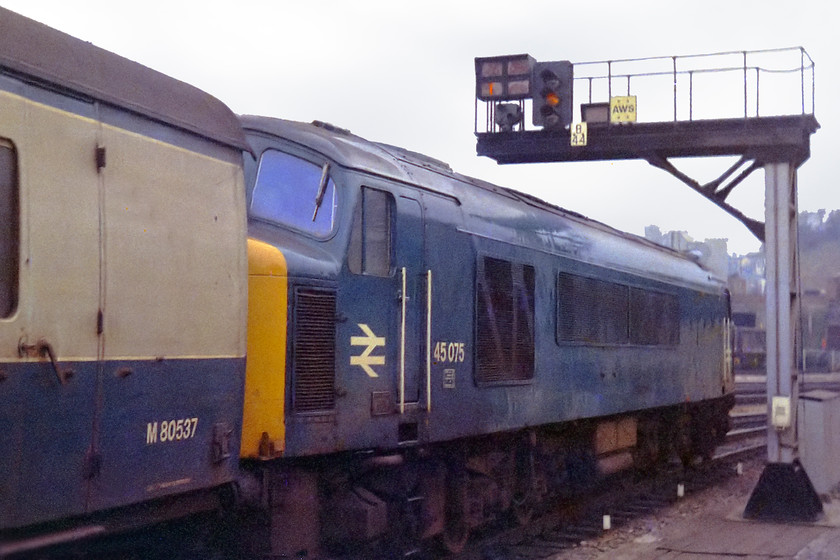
point(122, 328)
point(174, 301)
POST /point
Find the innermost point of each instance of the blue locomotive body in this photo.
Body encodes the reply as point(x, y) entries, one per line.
point(446, 327)
point(483, 311)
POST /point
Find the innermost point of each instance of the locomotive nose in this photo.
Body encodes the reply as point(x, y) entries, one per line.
point(263, 426)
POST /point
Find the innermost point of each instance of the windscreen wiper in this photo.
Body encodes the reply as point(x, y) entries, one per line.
point(322, 188)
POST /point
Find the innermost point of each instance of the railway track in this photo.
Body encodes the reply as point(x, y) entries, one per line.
point(613, 504)
point(751, 388)
point(624, 502)
point(563, 526)
point(572, 520)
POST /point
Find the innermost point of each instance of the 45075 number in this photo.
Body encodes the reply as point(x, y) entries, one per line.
point(449, 352)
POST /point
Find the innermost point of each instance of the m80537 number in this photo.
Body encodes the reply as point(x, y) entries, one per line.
point(171, 430)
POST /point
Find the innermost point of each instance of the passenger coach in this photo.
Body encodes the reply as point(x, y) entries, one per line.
point(122, 291)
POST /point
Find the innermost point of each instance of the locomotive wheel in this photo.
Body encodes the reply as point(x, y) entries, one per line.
point(456, 528)
point(648, 454)
point(683, 440)
point(522, 507)
point(455, 535)
point(705, 437)
point(705, 445)
point(522, 502)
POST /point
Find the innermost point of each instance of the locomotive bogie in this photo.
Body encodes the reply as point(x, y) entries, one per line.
point(444, 492)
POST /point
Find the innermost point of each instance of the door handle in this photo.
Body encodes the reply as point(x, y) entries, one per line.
point(44, 349)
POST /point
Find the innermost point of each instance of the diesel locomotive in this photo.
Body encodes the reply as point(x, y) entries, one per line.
point(334, 340)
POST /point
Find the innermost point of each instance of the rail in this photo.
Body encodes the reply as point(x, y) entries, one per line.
point(821, 361)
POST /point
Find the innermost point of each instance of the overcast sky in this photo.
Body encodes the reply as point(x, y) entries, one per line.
point(403, 73)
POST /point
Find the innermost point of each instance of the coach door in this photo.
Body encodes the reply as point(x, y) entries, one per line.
point(49, 258)
point(173, 342)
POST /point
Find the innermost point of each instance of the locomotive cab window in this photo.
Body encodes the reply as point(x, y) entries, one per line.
point(9, 229)
point(293, 192)
point(371, 239)
point(504, 321)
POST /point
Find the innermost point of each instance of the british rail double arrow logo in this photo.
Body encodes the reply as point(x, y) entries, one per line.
point(371, 342)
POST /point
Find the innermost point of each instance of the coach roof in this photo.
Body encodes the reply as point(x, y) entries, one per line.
point(50, 56)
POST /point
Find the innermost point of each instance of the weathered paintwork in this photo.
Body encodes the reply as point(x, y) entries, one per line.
point(443, 223)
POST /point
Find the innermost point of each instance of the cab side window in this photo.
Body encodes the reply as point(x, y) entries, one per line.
point(371, 240)
point(9, 229)
point(292, 192)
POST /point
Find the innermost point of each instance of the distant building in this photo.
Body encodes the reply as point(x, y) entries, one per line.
point(711, 253)
point(746, 274)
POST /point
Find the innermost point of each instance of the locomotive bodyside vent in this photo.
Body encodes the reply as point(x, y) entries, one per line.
point(504, 321)
point(314, 351)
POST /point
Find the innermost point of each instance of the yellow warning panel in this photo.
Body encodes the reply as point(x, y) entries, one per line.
point(264, 419)
point(623, 108)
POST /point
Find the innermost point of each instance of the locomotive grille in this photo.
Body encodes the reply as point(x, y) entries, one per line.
point(594, 311)
point(504, 321)
point(314, 351)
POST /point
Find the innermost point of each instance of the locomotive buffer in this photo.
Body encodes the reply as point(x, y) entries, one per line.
point(771, 129)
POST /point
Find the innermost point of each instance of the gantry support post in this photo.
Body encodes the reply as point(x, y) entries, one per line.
point(784, 492)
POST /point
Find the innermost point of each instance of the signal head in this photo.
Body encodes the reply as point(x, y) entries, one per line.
point(503, 78)
point(553, 94)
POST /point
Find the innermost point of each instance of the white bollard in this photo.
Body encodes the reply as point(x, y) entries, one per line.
point(739, 469)
point(680, 490)
point(607, 523)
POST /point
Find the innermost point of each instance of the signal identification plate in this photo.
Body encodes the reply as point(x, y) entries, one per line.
point(579, 134)
point(623, 108)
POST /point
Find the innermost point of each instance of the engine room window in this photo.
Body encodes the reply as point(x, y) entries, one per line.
point(504, 321)
point(654, 317)
point(9, 230)
point(293, 192)
point(590, 310)
point(371, 237)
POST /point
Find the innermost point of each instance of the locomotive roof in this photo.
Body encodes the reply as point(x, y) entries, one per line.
point(430, 174)
point(35, 50)
point(385, 160)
